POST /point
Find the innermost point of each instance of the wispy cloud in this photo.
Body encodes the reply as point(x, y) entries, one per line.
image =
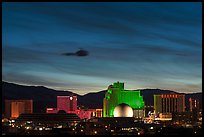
point(148, 43)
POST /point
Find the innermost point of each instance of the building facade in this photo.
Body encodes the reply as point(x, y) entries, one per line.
point(51, 120)
point(13, 108)
point(98, 113)
point(67, 103)
point(193, 104)
point(169, 103)
point(116, 94)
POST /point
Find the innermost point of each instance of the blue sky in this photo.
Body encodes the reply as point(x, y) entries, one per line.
point(144, 44)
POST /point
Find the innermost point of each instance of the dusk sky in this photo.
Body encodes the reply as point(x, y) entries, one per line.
point(143, 44)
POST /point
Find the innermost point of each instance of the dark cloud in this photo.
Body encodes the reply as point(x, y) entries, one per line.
point(80, 53)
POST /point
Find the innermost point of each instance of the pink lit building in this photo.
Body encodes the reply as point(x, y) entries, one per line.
point(85, 113)
point(63, 103)
point(72, 103)
point(69, 104)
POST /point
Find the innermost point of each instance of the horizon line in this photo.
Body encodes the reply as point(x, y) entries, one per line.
point(30, 85)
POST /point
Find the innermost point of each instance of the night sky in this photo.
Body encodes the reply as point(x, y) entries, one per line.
point(145, 45)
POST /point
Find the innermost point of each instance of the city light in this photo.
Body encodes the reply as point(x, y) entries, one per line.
point(40, 128)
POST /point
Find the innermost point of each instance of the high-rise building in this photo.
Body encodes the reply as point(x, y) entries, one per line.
point(194, 108)
point(73, 103)
point(193, 104)
point(67, 103)
point(13, 108)
point(116, 95)
point(63, 103)
point(169, 103)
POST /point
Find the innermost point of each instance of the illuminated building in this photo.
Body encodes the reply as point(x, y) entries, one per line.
point(86, 113)
point(62, 103)
point(169, 103)
point(149, 110)
point(13, 108)
point(194, 108)
point(194, 104)
point(73, 103)
point(116, 94)
point(67, 103)
point(89, 113)
point(48, 119)
point(99, 113)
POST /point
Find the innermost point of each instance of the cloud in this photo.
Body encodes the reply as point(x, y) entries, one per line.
point(128, 42)
point(80, 53)
point(23, 55)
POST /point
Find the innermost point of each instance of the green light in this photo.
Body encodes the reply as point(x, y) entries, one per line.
point(117, 95)
point(110, 91)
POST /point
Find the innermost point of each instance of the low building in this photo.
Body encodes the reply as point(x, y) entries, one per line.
point(182, 117)
point(47, 119)
point(98, 113)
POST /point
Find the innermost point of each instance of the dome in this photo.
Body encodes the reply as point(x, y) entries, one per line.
point(123, 110)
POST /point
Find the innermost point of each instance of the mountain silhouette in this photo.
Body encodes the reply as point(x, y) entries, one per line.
point(44, 97)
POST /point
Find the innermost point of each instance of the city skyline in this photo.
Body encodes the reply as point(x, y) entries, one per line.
point(145, 45)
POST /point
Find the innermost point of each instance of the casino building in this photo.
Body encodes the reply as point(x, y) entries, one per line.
point(168, 103)
point(119, 102)
point(68, 104)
